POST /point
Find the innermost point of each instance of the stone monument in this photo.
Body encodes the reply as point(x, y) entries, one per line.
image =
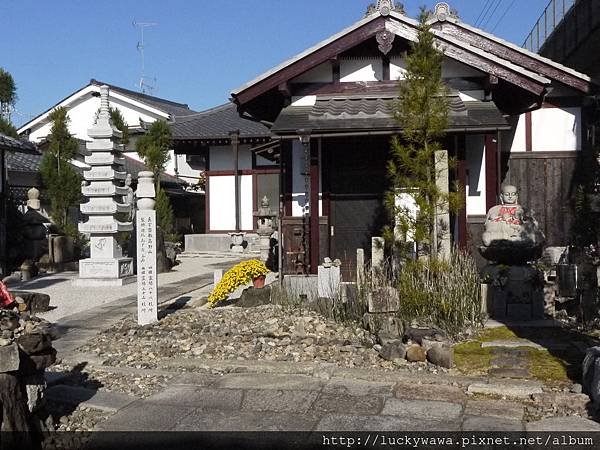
point(511, 241)
point(264, 222)
point(146, 250)
point(104, 190)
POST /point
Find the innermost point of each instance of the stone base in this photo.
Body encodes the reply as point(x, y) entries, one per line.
point(516, 292)
point(104, 281)
point(108, 269)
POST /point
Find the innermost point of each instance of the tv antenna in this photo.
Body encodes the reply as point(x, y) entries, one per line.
point(143, 85)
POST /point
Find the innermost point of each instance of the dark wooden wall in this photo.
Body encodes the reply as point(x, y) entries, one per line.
point(546, 182)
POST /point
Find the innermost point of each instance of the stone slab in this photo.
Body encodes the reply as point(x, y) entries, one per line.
point(508, 361)
point(340, 386)
point(269, 381)
point(193, 379)
point(508, 372)
point(442, 392)
point(512, 343)
point(192, 396)
point(569, 423)
point(142, 416)
point(498, 409)
point(336, 403)
point(422, 409)
point(278, 400)
point(482, 423)
point(518, 389)
point(101, 400)
point(9, 358)
point(246, 421)
point(344, 422)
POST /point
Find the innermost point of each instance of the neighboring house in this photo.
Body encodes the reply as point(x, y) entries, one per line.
point(514, 117)
point(14, 157)
point(138, 110)
point(205, 141)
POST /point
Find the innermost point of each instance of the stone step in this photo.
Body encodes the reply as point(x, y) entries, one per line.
point(508, 361)
point(101, 400)
point(507, 388)
point(507, 372)
point(512, 343)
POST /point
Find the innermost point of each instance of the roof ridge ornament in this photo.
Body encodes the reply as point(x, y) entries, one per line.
point(385, 7)
point(443, 11)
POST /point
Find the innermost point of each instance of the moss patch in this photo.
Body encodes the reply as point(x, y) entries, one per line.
point(471, 359)
point(553, 367)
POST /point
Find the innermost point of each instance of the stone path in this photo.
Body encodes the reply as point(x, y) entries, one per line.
point(286, 402)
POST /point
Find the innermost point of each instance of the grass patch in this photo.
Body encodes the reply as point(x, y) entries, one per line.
point(557, 368)
point(471, 359)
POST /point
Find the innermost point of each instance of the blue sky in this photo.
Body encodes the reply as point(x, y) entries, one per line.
point(199, 50)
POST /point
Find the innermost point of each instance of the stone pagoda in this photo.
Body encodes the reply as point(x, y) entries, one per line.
point(104, 188)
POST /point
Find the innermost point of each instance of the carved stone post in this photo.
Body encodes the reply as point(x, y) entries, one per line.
point(146, 250)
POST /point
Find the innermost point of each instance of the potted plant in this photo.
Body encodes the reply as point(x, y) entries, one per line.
point(240, 274)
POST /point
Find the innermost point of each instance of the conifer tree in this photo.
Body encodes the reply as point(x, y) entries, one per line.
point(8, 94)
point(422, 113)
point(154, 147)
point(62, 183)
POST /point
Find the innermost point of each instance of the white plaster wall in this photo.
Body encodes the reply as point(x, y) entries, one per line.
point(472, 96)
point(397, 68)
point(184, 170)
point(455, 69)
point(222, 203)
point(361, 69)
point(221, 158)
point(475, 154)
point(319, 74)
point(82, 114)
point(307, 100)
point(518, 140)
point(556, 129)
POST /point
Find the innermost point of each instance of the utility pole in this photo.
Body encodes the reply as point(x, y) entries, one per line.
point(143, 85)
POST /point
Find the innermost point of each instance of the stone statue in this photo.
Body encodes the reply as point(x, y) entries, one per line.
point(129, 198)
point(512, 234)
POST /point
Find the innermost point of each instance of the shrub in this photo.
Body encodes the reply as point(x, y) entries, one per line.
point(446, 294)
point(240, 274)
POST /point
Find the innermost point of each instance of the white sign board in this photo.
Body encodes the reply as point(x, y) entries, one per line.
point(146, 267)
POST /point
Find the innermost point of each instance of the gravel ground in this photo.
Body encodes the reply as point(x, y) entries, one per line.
point(267, 333)
point(69, 299)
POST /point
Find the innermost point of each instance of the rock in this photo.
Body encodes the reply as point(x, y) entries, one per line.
point(416, 353)
point(34, 342)
point(418, 334)
point(33, 363)
point(393, 350)
point(576, 389)
point(9, 358)
point(252, 297)
point(10, 323)
point(441, 355)
point(35, 301)
point(383, 300)
point(386, 324)
point(591, 373)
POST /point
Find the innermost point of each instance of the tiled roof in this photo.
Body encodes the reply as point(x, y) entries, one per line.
point(23, 162)
point(342, 113)
point(168, 106)
point(9, 143)
point(216, 123)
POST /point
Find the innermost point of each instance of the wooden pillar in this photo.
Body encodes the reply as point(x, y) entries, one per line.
point(460, 144)
point(528, 132)
point(235, 146)
point(314, 205)
point(491, 170)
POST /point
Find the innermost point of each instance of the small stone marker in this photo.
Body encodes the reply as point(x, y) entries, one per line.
point(146, 250)
point(328, 280)
point(360, 265)
point(383, 300)
point(377, 255)
point(217, 275)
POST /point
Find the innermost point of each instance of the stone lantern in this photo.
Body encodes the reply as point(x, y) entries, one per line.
point(265, 229)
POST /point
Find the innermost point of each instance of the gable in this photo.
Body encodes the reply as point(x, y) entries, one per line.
point(321, 63)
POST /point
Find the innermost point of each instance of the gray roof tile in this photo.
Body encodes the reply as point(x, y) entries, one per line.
point(216, 123)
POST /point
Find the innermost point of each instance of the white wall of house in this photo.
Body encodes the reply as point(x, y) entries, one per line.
point(221, 201)
point(552, 129)
point(361, 69)
point(221, 157)
point(475, 188)
point(319, 74)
